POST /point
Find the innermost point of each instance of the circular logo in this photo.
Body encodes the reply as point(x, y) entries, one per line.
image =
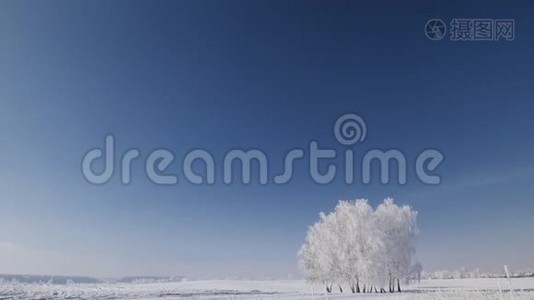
point(350, 129)
point(435, 29)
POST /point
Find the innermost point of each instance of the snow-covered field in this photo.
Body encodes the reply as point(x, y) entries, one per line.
point(523, 288)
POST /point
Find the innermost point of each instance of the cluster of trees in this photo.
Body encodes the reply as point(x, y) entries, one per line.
point(365, 249)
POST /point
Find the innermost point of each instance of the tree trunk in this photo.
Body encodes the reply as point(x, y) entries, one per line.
point(358, 286)
point(340, 288)
point(398, 285)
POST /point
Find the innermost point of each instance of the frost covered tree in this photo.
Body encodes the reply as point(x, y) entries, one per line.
point(318, 254)
point(358, 246)
point(359, 243)
point(398, 227)
point(417, 271)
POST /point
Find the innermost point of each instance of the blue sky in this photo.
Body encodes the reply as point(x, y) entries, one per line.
point(269, 75)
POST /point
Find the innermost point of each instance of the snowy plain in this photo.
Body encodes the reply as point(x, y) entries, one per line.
point(494, 288)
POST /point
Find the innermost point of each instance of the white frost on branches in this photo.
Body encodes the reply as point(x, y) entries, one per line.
point(368, 250)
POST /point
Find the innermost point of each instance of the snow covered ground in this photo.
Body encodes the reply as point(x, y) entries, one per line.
point(523, 288)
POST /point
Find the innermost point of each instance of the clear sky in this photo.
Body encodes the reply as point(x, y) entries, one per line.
point(270, 75)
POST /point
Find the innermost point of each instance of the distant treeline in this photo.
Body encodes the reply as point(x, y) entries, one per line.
point(50, 279)
point(59, 279)
point(475, 273)
point(149, 279)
